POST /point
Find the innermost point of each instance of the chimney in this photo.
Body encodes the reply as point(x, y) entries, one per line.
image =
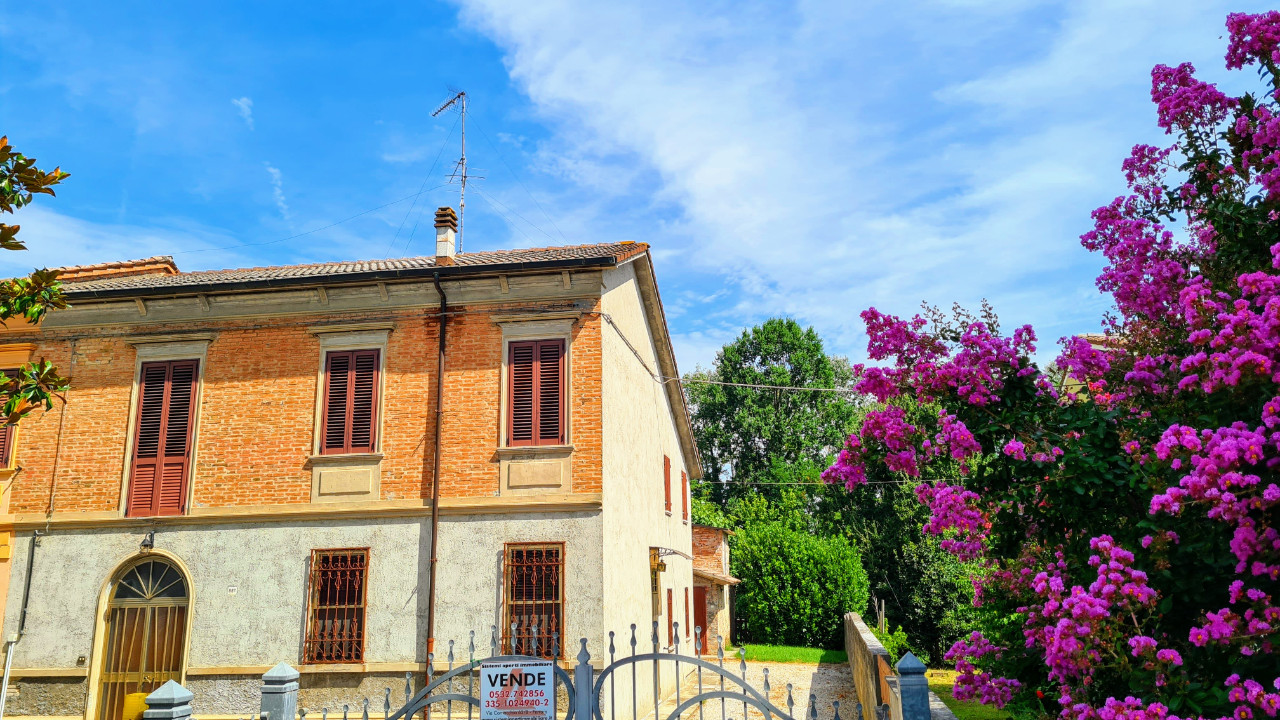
point(446, 235)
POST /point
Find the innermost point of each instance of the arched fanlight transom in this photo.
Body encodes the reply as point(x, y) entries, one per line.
point(151, 580)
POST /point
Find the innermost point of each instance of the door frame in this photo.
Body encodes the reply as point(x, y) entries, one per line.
point(102, 615)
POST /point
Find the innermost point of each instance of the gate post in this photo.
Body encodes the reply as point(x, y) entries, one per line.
point(170, 701)
point(584, 690)
point(280, 693)
point(914, 688)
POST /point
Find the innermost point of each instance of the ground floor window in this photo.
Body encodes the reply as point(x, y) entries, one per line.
point(336, 606)
point(533, 593)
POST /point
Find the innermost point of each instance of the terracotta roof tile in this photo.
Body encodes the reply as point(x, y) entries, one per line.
point(606, 254)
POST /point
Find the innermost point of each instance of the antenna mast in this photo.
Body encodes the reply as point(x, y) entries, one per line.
point(460, 169)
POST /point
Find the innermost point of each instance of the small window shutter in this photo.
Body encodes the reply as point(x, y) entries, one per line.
point(7, 433)
point(364, 400)
point(535, 377)
point(666, 480)
point(550, 392)
point(523, 359)
point(671, 613)
point(349, 414)
point(162, 442)
point(6, 446)
point(684, 495)
point(686, 613)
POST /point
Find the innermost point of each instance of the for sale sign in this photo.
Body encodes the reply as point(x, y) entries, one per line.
point(517, 690)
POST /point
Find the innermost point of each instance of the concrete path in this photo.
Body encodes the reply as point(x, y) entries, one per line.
point(827, 682)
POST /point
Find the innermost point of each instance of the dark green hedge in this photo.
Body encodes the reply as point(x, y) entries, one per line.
point(796, 587)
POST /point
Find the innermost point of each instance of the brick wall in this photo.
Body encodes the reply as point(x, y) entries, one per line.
point(710, 551)
point(257, 413)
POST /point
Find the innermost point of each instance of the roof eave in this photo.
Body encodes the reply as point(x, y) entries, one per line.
point(343, 279)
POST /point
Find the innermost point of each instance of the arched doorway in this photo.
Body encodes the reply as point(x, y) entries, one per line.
point(146, 632)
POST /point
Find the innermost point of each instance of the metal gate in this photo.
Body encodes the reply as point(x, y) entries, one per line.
point(627, 687)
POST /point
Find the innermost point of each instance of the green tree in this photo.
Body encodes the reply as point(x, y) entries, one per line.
point(743, 431)
point(26, 298)
point(795, 586)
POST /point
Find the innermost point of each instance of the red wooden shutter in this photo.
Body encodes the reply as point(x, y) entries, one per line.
point(349, 414)
point(162, 441)
point(666, 480)
point(520, 425)
point(671, 613)
point(686, 613)
point(684, 495)
point(550, 376)
point(6, 446)
point(7, 432)
point(536, 390)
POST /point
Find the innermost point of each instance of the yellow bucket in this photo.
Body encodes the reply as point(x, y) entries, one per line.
point(134, 705)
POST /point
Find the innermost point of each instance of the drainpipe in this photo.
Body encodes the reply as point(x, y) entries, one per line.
point(22, 621)
point(435, 478)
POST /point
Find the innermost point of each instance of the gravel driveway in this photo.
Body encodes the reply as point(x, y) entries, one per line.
point(827, 682)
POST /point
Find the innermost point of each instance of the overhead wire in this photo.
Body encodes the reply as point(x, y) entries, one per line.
point(502, 157)
point(495, 201)
point(496, 209)
point(440, 153)
point(308, 232)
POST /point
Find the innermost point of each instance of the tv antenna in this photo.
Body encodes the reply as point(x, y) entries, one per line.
point(460, 168)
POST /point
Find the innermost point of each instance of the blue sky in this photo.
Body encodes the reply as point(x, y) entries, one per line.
point(809, 159)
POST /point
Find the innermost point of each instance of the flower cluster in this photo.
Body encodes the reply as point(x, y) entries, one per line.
point(974, 683)
point(1253, 38)
point(954, 512)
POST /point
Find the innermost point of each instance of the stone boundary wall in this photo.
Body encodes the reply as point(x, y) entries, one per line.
point(869, 662)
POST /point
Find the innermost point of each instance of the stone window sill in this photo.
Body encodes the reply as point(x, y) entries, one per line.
point(348, 459)
point(535, 450)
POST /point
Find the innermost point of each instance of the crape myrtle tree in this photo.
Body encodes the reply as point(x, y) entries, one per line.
point(26, 299)
point(1128, 528)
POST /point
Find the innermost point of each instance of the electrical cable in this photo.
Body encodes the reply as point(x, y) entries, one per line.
point(308, 232)
point(517, 214)
point(440, 153)
point(511, 170)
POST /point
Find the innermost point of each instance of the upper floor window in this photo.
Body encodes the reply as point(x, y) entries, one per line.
point(666, 481)
point(8, 434)
point(684, 496)
point(162, 442)
point(536, 388)
point(349, 410)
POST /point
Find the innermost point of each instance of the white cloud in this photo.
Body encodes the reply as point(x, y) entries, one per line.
point(830, 157)
point(244, 106)
point(277, 191)
point(57, 240)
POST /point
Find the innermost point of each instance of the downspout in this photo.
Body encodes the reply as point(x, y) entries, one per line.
point(442, 317)
point(22, 620)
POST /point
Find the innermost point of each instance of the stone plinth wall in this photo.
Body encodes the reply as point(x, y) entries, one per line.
point(869, 662)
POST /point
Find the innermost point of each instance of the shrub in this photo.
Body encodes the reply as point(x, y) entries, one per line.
point(796, 587)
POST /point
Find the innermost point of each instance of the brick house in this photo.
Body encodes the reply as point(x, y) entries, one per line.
point(244, 469)
point(712, 583)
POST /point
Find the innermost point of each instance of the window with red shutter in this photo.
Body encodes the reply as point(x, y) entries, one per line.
point(162, 438)
point(535, 388)
point(686, 613)
point(684, 495)
point(671, 614)
point(8, 433)
point(349, 410)
point(666, 481)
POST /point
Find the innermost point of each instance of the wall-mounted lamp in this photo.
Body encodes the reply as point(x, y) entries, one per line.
point(148, 541)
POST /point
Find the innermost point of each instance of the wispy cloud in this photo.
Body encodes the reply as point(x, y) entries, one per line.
point(57, 240)
point(277, 191)
point(244, 106)
point(829, 157)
